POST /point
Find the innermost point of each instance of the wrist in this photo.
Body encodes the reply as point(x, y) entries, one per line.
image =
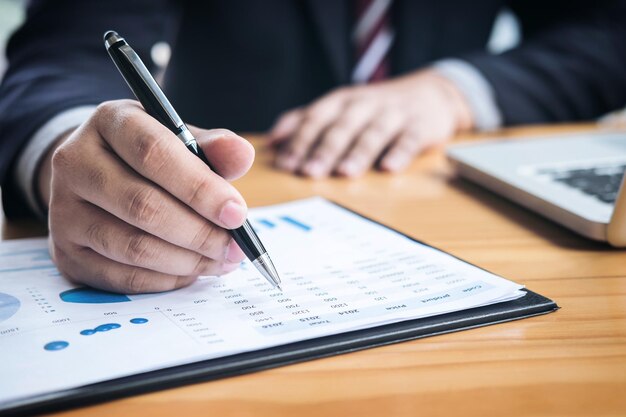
point(459, 107)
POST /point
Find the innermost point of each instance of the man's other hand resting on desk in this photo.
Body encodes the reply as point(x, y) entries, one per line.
point(132, 210)
point(385, 124)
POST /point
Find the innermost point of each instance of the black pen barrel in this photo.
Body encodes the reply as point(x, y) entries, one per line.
point(132, 74)
point(248, 241)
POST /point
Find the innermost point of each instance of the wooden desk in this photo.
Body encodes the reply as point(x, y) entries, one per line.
point(570, 363)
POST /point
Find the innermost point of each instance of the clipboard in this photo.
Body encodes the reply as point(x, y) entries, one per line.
point(532, 304)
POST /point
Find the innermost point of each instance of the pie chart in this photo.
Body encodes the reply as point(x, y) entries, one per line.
point(8, 306)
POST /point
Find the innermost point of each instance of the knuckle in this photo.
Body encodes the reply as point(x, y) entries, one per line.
point(153, 152)
point(63, 159)
point(135, 281)
point(137, 249)
point(143, 207)
point(106, 109)
point(111, 107)
point(207, 239)
point(199, 192)
point(97, 178)
point(203, 265)
point(122, 118)
point(96, 235)
point(116, 112)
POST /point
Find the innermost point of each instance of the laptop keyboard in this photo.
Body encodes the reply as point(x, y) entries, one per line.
point(600, 182)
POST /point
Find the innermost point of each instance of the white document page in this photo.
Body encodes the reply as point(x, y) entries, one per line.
point(340, 272)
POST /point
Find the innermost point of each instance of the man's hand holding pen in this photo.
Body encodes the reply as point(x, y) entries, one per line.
point(132, 210)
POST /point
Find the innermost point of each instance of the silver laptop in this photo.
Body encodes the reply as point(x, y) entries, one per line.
point(574, 180)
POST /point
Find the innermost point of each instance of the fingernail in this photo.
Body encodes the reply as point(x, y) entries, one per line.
point(349, 168)
point(394, 163)
point(232, 215)
point(314, 168)
point(234, 253)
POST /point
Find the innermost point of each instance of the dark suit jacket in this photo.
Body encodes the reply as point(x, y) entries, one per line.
point(238, 63)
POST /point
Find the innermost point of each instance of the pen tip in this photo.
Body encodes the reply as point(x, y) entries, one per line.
point(265, 266)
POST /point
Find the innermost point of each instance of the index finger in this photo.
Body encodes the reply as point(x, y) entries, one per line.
point(157, 154)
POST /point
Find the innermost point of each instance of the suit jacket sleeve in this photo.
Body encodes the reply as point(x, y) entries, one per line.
point(570, 66)
point(57, 61)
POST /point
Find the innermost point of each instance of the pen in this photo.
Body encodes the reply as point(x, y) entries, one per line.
point(158, 106)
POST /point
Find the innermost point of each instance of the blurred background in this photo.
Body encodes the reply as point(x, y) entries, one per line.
point(11, 15)
point(505, 34)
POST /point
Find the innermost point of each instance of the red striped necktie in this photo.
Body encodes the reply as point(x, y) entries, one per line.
point(372, 38)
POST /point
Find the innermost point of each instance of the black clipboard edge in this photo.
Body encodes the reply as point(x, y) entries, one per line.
point(532, 304)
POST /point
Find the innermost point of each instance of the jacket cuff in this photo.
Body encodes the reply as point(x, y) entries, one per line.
point(477, 91)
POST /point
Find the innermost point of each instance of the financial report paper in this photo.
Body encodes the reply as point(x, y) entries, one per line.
point(340, 272)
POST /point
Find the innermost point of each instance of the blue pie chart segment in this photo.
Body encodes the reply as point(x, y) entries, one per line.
point(8, 306)
point(92, 296)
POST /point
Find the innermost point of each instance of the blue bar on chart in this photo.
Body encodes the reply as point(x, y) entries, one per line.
point(266, 223)
point(297, 223)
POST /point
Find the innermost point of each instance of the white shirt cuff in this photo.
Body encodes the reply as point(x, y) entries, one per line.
point(30, 157)
point(476, 90)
